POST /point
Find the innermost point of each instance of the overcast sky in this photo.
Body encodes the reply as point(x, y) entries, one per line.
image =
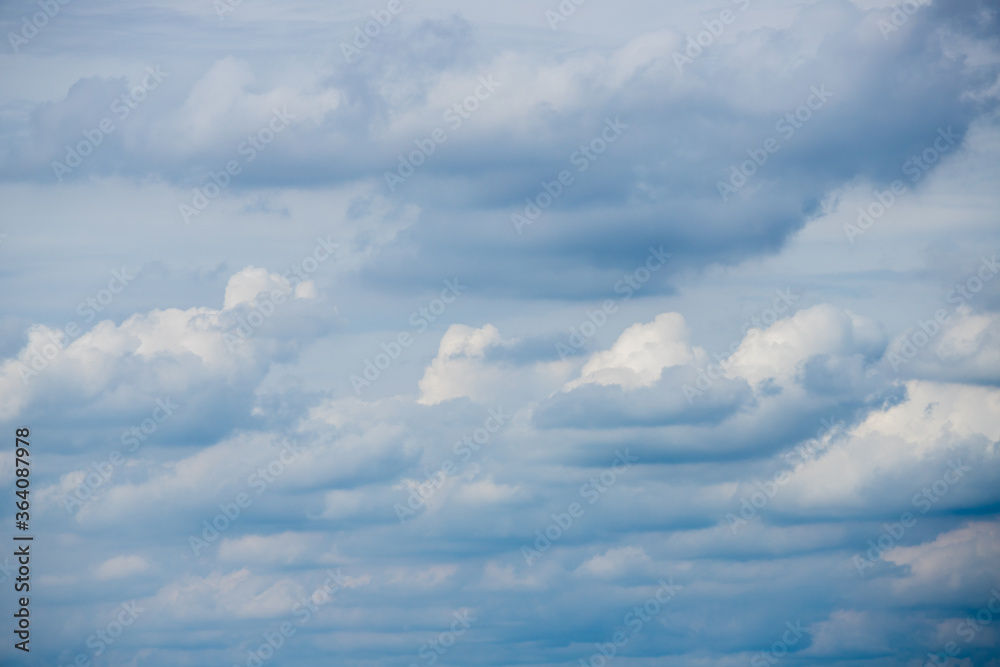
point(505, 333)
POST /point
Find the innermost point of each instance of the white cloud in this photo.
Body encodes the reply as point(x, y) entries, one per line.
point(239, 594)
point(458, 369)
point(617, 561)
point(640, 354)
point(859, 631)
point(108, 356)
point(285, 548)
point(229, 95)
point(965, 558)
point(965, 349)
point(121, 567)
point(779, 351)
point(924, 430)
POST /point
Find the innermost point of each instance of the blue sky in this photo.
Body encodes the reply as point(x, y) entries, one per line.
point(506, 333)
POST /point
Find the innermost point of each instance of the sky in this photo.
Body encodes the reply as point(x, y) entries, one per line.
point(542, 333)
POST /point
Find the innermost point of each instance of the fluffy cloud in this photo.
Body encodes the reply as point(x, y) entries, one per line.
point(457, 368)
point(620, 466)
point(640, 354)
point(780, 353)
point(174, 350)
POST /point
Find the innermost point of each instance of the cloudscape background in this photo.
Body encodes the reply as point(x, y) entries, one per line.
point(508, 333)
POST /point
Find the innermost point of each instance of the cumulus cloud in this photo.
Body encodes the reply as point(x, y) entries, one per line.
point(245, 286)
point(458, 365)
point(640, 354)
point(781, 351)
point(172, 349)
point(619, 466)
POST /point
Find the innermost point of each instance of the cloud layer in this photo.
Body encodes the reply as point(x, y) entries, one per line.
point(496, 338)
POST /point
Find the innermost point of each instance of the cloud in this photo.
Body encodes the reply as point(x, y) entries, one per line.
point(963, 349)
point(615, 562)
point(640, 354)
point(781, 351)
point(122, 566)
point(802, 427)
point(962, 559)
point(886, 459)
point(176, 351)
point(245, 286)
point(457, 366)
